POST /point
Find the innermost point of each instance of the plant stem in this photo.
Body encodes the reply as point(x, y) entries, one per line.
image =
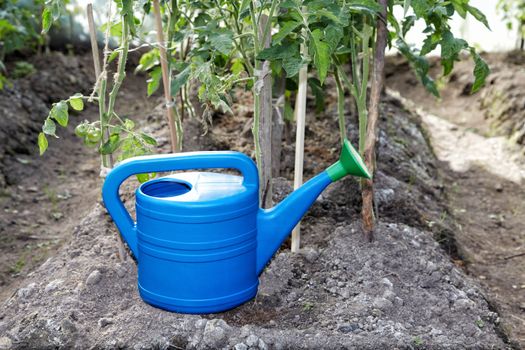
point(121, 72)
point(359, 83)
point(340, 106)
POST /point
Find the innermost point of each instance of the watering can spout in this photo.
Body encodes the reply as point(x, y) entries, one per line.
point(274, 225)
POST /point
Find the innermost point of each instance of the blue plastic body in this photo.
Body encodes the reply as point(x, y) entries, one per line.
point(200, 238)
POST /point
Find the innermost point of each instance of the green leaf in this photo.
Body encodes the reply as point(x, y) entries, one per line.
point(42, 143)
point(477, 14)
point(421, 7)
point(321, 55)
point(244, 5)
point(47, 20)
point(237, 66)
point(450, 46)
point(59, 112)
point(286, 28)
point(148, 139)
point(76, 102)
point(459, 7)
point(129, 124)
point(420, 66)
point(115, 28)
point(364, 6)
point(279, 52)
point(408, 23)
point(113, 55)
point(180, 79)
point(145, 177)
point(148, 60)
point(110, 145)
point(481, 71)
point(154, 80)
point(429, 44)
point(288, 111)
point(318, 92)
point(49, 127)
point(333, 35)
point(222, 42)
point(292, 66)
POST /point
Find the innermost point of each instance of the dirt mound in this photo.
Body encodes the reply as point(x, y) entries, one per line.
point(400, 291)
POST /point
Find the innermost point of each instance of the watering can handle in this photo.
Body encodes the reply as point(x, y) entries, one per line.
point(162, 163)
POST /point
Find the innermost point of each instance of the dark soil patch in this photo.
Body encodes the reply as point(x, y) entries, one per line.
point(43, 198)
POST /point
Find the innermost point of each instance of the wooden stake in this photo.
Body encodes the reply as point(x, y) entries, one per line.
point(265, 127)
point(373, 117)
point(278, 123)
point(300, 118)
point(165, 77)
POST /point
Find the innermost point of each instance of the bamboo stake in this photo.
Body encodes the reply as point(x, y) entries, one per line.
point(300, 117)
point(165, 77)
point(93, 38)
point(371, 131)
point(106, 162)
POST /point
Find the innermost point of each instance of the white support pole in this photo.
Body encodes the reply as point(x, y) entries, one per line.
point(300, 117)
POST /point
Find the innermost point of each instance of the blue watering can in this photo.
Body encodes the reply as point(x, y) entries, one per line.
point(200, 238)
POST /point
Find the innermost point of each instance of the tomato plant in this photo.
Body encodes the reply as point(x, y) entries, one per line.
point(219, 44)
point(110, 133)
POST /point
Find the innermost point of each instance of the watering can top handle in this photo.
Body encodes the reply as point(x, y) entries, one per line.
point(161, 163)
point(188, 161)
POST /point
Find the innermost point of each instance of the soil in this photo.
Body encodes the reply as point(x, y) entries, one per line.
point(483, 175)
point(401, 291)
point(43, 198)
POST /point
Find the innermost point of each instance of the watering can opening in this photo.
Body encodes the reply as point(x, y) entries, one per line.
point(166, 187)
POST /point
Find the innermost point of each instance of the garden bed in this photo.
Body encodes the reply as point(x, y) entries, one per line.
point(402, 290)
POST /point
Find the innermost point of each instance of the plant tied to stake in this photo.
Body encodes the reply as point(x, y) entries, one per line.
point(219, 45)
point(111, 132)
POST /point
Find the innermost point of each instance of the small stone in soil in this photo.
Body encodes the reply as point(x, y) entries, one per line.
point(24, 293)
point(348, 328)
point(53, 285)
point(93, 278)
point(5, 343)
point(252, 340)
point(103, 322)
